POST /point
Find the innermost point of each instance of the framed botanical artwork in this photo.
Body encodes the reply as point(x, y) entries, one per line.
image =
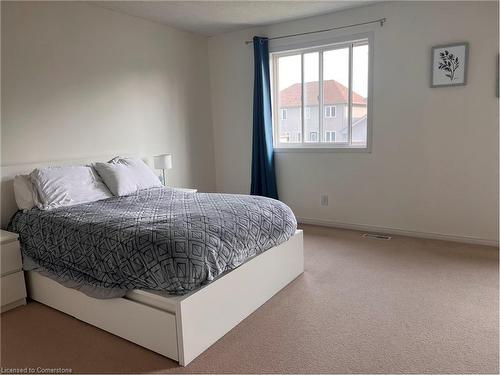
point(449, 65)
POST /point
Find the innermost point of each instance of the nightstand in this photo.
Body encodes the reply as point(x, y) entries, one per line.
point(12, 283)
point(186, 190)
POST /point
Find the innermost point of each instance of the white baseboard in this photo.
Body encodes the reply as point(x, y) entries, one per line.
point(396, 231)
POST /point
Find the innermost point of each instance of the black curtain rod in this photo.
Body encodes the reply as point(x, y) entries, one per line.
point(381, 21)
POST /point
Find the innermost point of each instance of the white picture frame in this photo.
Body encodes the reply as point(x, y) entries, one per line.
point(449, 65)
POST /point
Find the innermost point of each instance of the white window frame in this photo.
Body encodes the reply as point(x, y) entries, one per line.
point(283, 111)
point(332, 111)
point(280, 50)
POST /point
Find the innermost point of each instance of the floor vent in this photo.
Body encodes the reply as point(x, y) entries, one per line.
point(377, 236)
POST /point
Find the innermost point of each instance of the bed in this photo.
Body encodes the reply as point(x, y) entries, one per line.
point(178, 317)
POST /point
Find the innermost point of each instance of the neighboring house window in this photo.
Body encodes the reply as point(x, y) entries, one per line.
point(330, 111)
point(325, 77)
point(330, 136)
point(308, 113)
point(283, 114)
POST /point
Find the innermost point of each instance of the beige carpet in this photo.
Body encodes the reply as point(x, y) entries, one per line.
point(362, 306)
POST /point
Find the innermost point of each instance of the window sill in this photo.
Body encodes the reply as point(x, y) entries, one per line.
point(322, 149)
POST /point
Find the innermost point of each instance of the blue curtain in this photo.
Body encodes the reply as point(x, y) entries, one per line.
point(263, 174)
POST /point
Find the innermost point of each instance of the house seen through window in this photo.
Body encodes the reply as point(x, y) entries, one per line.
point(331, 80)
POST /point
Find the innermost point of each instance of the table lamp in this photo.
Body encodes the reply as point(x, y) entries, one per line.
point(163, 162)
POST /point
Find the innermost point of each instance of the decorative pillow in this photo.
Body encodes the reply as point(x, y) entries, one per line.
point(67, 186)
point(24, 192)
point(127, 176)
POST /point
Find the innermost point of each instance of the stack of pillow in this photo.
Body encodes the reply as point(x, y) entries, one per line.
point(52, 187)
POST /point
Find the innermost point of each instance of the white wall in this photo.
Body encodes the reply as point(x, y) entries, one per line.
point(434, 164)
point(79, 80)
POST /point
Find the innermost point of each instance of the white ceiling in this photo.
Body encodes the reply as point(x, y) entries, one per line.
point(216, 17)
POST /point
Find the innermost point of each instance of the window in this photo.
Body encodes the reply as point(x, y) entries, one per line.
point(330, 111)
point(330, 136)
point(283, 113)
point(324, 91)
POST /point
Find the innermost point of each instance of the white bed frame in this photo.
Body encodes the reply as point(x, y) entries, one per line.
point(178, 327)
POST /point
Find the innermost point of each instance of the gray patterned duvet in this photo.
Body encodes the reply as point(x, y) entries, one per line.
point(158, 239)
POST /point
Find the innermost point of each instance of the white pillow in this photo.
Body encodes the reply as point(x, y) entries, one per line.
point(127, 176)
point(24, 192)
point(67, 186)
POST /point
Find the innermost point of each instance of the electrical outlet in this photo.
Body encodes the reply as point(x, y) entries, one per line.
point(324, 200)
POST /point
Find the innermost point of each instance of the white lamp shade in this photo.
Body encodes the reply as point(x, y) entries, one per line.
point(163, 161)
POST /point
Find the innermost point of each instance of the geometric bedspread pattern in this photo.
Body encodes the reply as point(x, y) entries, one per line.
point(157, 239)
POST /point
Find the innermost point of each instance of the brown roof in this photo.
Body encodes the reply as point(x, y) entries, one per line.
point(334, 93)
